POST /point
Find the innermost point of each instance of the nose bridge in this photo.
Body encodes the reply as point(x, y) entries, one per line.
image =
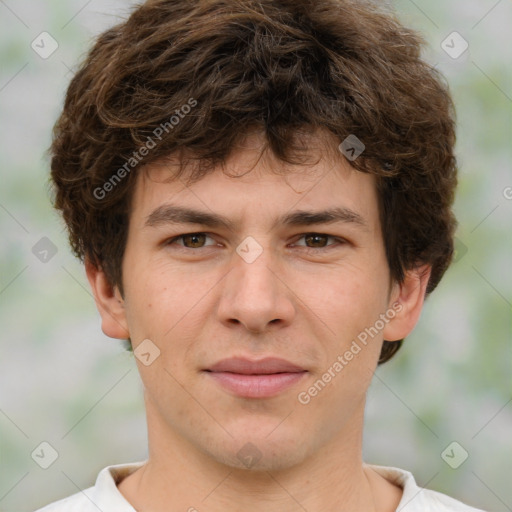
point(253, 270)
point(253, 293)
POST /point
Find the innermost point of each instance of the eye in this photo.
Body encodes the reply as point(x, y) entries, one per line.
point(190, 240)
point(318, 240)
point(198, 241)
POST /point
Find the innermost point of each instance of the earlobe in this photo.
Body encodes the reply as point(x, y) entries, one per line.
point(109, 303)
point(407, 300)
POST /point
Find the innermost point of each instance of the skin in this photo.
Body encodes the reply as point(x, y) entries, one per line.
point(202, 303)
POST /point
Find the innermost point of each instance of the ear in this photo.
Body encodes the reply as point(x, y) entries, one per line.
point(407, 299)
point(109, 302)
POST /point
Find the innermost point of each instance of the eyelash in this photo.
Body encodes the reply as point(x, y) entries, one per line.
point(340, 241)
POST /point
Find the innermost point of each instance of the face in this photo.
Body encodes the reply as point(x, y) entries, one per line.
point(266, 309)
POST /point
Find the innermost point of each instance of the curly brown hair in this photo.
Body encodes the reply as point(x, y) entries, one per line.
point(191, 77)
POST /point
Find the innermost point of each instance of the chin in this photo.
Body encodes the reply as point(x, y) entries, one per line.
point(260, 453)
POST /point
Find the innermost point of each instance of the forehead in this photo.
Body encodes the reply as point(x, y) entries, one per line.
point(253, 182)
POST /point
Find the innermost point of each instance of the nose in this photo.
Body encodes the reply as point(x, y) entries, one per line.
point(255, 294)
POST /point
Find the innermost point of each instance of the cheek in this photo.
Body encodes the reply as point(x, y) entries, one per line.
point(347, 300)
point(160, 298)
point(168, 307)
point(349, 308)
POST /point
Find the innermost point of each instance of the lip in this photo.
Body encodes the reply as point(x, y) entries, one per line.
point(255, 379)
point(264, 366)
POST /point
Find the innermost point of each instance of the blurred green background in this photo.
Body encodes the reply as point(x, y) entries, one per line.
point(62, 381)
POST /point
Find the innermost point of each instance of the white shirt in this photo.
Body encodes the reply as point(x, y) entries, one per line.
point(105, 496)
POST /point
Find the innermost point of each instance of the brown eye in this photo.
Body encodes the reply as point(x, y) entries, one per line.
point(317, 240)
point(310, 241)
point(193, 240)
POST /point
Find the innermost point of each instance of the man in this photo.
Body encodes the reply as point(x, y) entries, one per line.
point(261, 192)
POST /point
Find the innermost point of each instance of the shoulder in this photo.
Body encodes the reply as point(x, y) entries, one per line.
point(79, 502)
point(418, 499)
point(104, 495)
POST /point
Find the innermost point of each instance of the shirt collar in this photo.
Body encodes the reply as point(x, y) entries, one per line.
point(106, 494)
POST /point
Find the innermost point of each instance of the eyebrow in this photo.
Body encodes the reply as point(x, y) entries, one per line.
point(169, 214)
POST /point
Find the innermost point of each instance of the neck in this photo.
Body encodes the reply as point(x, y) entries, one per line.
point(179, 476)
